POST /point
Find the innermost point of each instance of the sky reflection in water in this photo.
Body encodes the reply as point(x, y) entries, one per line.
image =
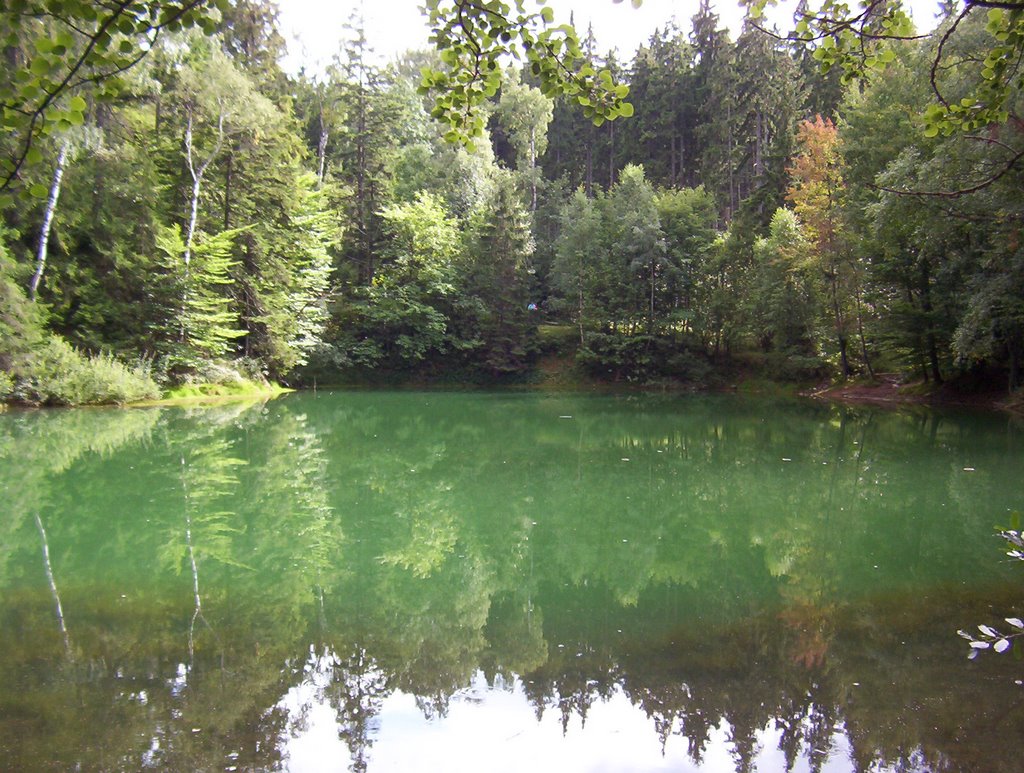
point(496, 729)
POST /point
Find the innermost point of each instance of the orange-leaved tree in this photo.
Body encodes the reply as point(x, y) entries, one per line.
point(815, 191)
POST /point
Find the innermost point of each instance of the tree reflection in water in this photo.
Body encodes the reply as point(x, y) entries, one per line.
point(718, 581)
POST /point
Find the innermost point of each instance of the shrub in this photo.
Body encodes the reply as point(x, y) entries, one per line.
point(21, 324)
point(794, 366)
point(58, 374)
point(558, 339)
point(641, 358)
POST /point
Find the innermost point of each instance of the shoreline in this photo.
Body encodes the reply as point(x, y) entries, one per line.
point(887, 391)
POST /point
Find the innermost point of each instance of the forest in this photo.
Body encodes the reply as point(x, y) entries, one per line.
point(178, 210)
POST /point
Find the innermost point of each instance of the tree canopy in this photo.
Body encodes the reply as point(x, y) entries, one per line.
point(204, 215)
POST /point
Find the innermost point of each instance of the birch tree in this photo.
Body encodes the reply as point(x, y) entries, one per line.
point(216, 102)
point(51, 208)
point(70, 145)
point(525, 113)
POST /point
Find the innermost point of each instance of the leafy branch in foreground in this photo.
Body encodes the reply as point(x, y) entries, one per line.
point(992, 637)
point(69, 45)
point(475, 36)
point(847, 38)
point(856, 39)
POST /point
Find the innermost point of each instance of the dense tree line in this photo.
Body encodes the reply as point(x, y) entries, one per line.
point(210, 217)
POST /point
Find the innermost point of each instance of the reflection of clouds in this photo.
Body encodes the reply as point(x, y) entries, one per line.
point(332, 713)
point(311, 738)
point(312, 741)
point(497, 729)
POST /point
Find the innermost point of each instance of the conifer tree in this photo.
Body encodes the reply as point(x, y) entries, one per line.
point(199, 320)
point(500, 280)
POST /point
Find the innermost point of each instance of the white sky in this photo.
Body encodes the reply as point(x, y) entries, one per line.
point(313, 28)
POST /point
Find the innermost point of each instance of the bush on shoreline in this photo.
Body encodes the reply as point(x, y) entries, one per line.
point(58, 374)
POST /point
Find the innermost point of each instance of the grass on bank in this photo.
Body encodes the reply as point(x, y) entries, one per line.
point(55, 373)
point(214, 392)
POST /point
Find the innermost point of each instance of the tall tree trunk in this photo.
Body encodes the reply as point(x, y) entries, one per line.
point(758, 146)
point(361, 187)
point(860, 333)
point(579, 315)
point(926, 307)
point(611, 155)
point(533, 170)
point(197, 173)
point(101, 113)
point(51, 208)
point(837, 313)
point(321, 145)
point(579, 291)
point(589, 150)
point(650, 310)
point(321, 155)
point(683, 177)
point(730, 154)
point(672, 160)
point(228, 177)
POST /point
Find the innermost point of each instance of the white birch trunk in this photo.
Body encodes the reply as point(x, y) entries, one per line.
point(197, 180)
point(51, 208)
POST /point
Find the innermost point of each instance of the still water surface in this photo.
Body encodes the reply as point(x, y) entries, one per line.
point(466, 582)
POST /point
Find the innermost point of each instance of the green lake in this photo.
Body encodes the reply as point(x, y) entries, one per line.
point(505, 582)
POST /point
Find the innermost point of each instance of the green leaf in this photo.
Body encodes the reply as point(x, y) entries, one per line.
point(40, 66)
point(38, 191)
